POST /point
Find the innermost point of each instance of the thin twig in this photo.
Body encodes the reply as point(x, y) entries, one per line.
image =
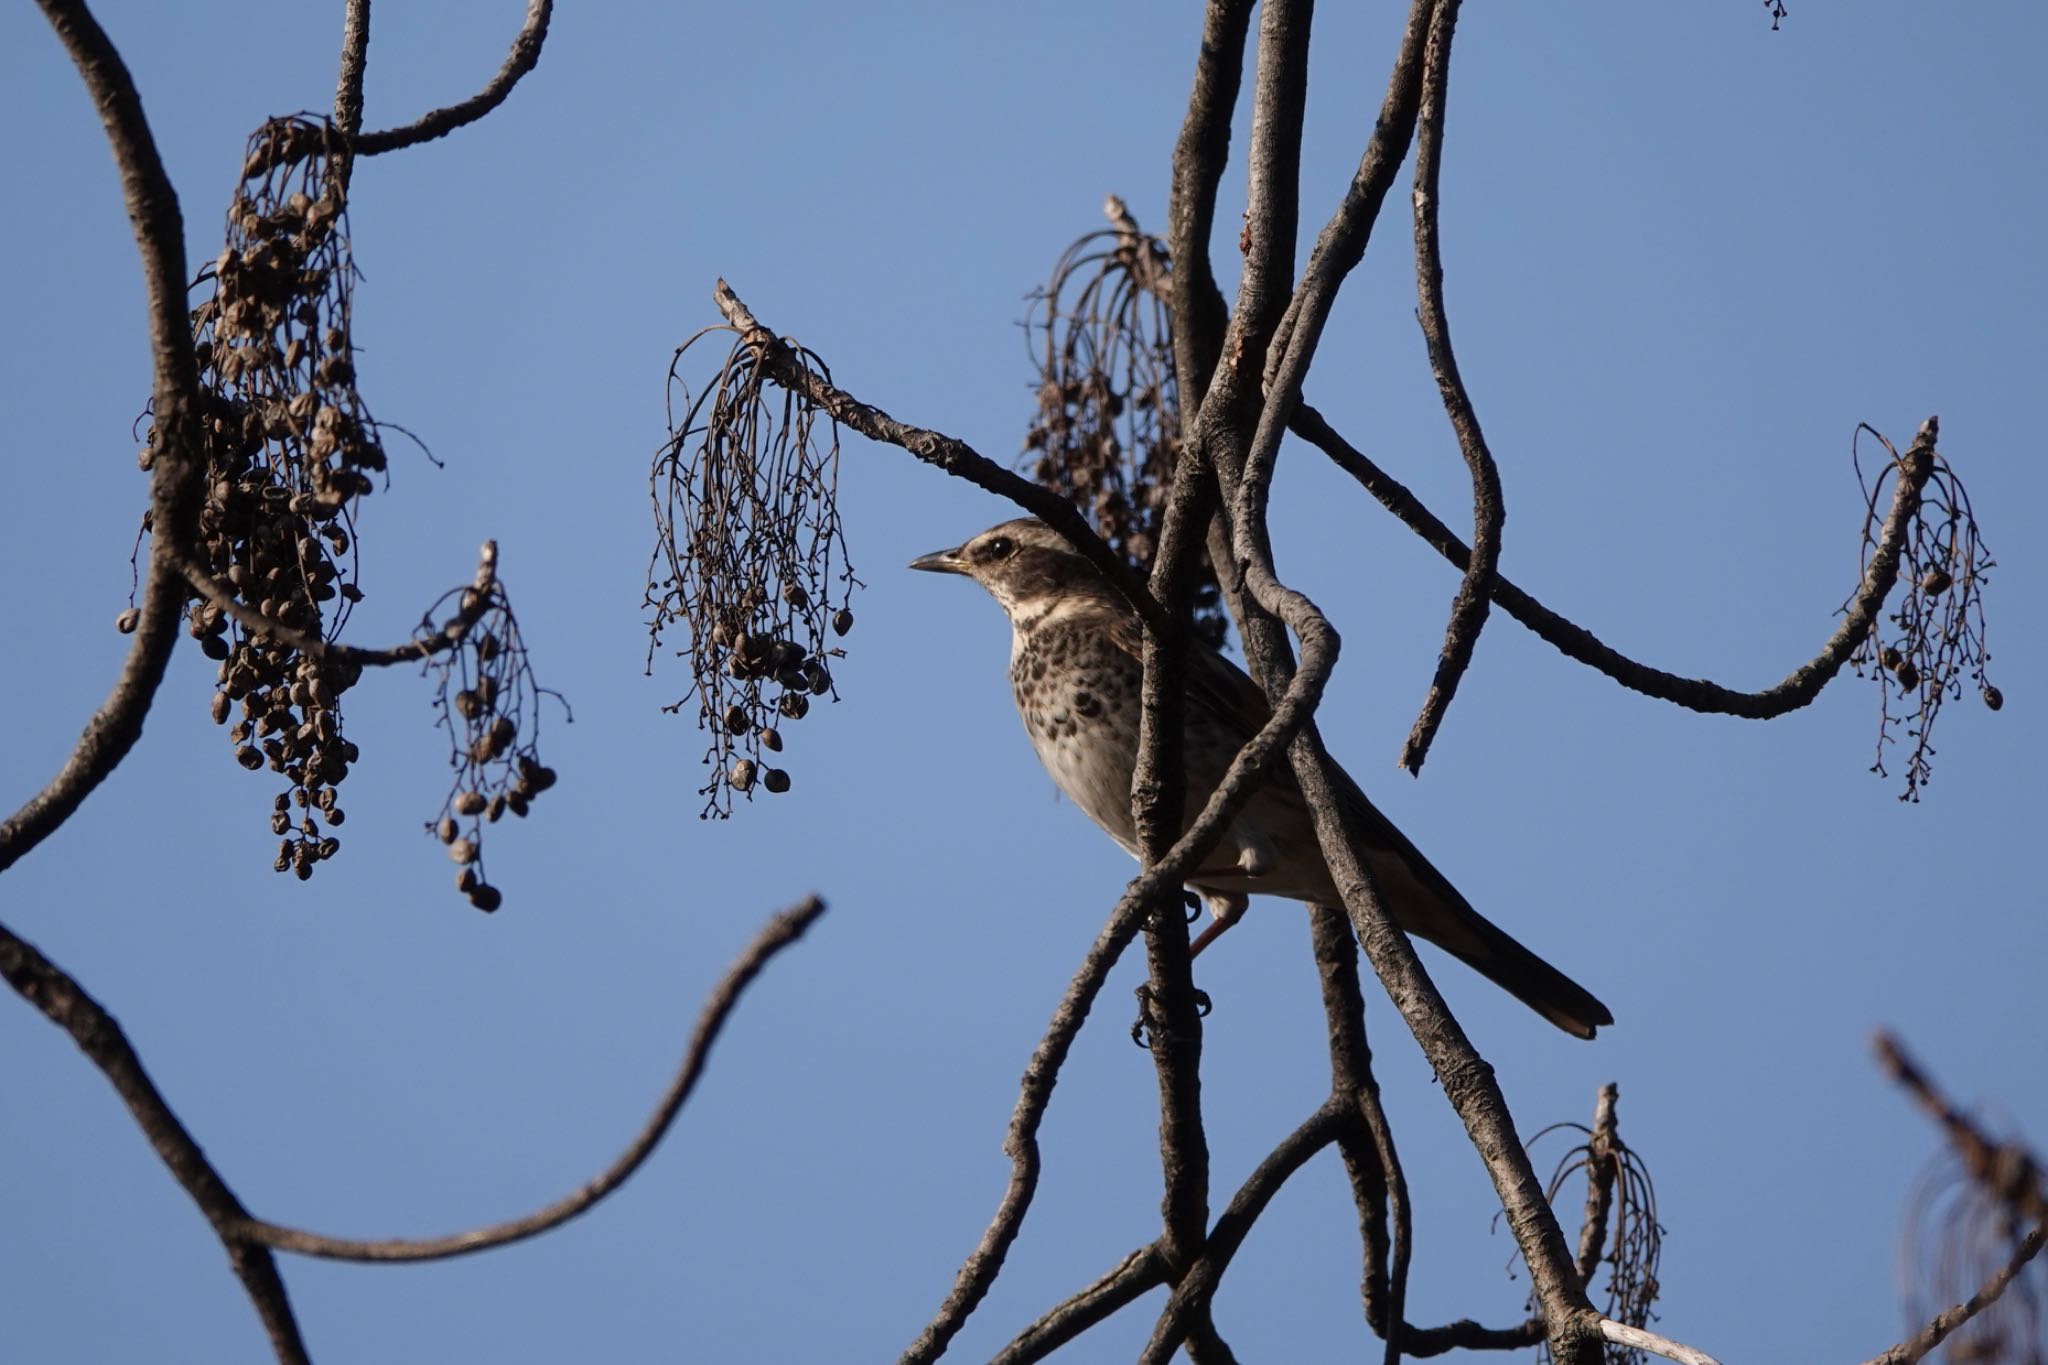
point(66, 1004)
point(1949, 1319)
point(1199, 159)
point(355, 59)
point(1134, 1276)
point(781, 931)
point(1475, 592)
point(1336, 954)
point(1798, 688)
point(1603, 1168)
point(180, 461)
point(523, 57)
point(1191, 1296)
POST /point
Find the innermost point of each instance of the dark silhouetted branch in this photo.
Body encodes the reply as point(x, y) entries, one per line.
point(952, 456)
point(523, 57)
point(1137, 1274)
point(781, 931)
point(66, 1004)
point(355, 59)
point(1948, 1320)
point(1797, 689)
point(1336, 954)
point(179, 465)
point(1199, 159)
point(1475, 592)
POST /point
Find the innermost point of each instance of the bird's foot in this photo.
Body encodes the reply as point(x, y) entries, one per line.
point(1145, 1028)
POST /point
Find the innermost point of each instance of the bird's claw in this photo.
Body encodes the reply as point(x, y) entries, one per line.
point(1142, 1032)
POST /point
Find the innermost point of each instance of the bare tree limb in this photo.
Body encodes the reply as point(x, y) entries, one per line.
point(175, 481)
point(523, 57)
point(1336, 954)
point(781, 931)
point(355, 58)
point(1602, 1170)
point(1949, 1319)
point(1199, 159)
point(1636, 1339)
point(432, 639)
point(1475, 592)
point(1797, 689)
point(1134, 1276)
point(952, 456)
point(1467, 1335)
point(66, 1004)
point(1191, 1296)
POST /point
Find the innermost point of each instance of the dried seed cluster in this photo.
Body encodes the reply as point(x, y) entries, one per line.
point(489, 703)
point(1633, 1246)
point(1934, 637)
point(751, 562)
point(290, 450)
point(1106, 435)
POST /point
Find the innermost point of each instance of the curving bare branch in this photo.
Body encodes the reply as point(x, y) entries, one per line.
point(523, 57)
point(1134, 1276)
point(1798, 688)
point(1475, 592)
point(67, 1004)
point(175, 477)
point(781, 931)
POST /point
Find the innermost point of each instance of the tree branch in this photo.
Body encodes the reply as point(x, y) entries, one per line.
point(523, 57)
point(1948, 1320)
point(66, 1004)
point(355, 57)
point(1636, 1339)
point(1797, 689)
point(1199, 159)
point(1468, 609)
point(179, 465)
point(1134, 1276)
point(949, 455)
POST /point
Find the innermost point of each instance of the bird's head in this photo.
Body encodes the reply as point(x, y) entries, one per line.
point(1027, 567)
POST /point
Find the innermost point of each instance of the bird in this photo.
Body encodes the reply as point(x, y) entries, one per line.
point(1076, 672)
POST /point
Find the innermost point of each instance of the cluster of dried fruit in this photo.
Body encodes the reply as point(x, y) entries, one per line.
point(489, 703)
point(746, 506)
point(1106, 435)
point(289, 451)
point(1937, 629)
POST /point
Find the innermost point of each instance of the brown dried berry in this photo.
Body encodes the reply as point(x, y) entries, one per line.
point(1908, 676)
point(1936, 582)
point(470, 803)
point(446, 832)
point(842, 621)
point(775, 780)
point(128, 620)
point(742, 775)
point(737, 721)
point(249, 757)
point(221, 707)
point(485, 897)
point(1993, 698)
point(794, 594)
point(771, 739)
point(794, 705)
point(466, 880)
point(1890, 658)
point(463, 850)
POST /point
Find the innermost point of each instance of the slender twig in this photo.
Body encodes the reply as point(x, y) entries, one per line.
point(1336, 954)
point(1475, 592)
point(1636, 1339)
point(432, 639)
point(1949, 1319)
point(1467, 1335)
point(1797, 689)
point(1603, 1169)
point(355, 59)
point(1375, 1116)
point(1199, 158)
point(179, 464)
point(952, 456)
point(1134, 1276)
point(66, 1004)
point(1192, 1295)
point(523, 57)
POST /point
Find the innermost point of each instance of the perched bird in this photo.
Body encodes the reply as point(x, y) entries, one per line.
point(1076, 672)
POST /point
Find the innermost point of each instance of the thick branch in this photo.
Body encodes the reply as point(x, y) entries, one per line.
point(1798, 688)
point(1636, 1339)
point(355, 59)
point(1603, 1169)
point(523, 57)
point(952, 456)
point(179, 464)
point(781, 931)
point(67, 1005)
point(1468, 608)
point(1134, 1276)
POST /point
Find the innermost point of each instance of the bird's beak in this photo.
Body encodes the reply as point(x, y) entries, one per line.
point(941, 561)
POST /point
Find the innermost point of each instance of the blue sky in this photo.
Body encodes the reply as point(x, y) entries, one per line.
point(1686, 255)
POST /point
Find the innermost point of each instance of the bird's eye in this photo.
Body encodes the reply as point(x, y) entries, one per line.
point(998, 548)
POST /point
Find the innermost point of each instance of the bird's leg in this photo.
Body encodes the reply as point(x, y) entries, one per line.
point(1228, 908)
